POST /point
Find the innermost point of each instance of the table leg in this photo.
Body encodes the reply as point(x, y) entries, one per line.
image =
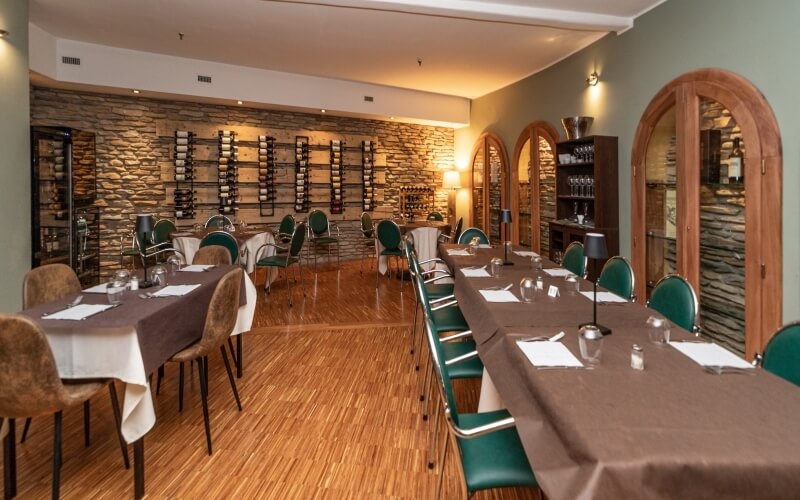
point(239, 358)
point(10, 462)
point(138, 468)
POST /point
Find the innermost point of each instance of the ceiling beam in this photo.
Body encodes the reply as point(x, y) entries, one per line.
point(488, 12)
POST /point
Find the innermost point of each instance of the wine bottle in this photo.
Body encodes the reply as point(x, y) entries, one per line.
point(736, 164)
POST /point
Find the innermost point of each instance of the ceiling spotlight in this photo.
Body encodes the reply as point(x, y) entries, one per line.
point(180, 35)
point(136, 91)
point(419, 61)
point(239, 102)
point(391, 117)
point(321, 110)
point(593, 78)
point(3, 33)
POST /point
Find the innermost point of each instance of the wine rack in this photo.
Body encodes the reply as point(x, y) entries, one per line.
point(368, 175)
point(184, 174)
point(266, 175)
point(416, 200)
point(337, 203)
point(228, 172)
point(301, 183)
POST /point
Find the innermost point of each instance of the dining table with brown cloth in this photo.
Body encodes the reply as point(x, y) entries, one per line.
point(672, 430)
point(131, 341)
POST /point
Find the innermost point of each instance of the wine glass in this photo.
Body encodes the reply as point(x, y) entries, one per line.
point(558, 256)
point(591, 186)
point(582, 185)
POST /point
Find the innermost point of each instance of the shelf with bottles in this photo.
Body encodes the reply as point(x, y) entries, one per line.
point(416, 200)
point(368, 175)
point(266, 175)
point(228, 172)
point(337, 206)
point(183, 197)
point(302, 174)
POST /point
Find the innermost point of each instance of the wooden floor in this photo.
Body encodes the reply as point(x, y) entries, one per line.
point(330, 411)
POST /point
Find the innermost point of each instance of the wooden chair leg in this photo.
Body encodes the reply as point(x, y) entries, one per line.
point(112, 389)
point(230, 377)
point(10, 462)
point(25, 429)
point(87, 410)
point(204, 397)
point(56, 455)
point(159, 379)
point(239, 355)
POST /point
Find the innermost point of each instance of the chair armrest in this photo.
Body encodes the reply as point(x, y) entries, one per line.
point(456, 336)
point(265, 245)
point(463, 357)
point(437, 278)
point(435, 259)
point(448, 304)
point(444, 238)
point(499, 425)
point(440, 299)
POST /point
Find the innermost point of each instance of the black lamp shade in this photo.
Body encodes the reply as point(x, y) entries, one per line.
point(144, 223)
point(505, 216)
point(594, 246)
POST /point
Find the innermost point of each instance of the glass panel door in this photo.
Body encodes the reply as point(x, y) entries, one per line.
point(524, 167)
point(478, 164)
point(547, 192)
point(495, 187)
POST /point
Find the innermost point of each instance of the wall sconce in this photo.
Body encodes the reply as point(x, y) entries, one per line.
point(593, 78)
point(3, 33)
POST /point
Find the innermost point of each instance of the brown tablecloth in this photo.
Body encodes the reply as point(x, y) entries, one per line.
point(670, 431)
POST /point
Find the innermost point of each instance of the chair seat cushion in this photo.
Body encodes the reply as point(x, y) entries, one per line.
point(437, 291)
point(470, 368)
point(494, 460)
point(194, 351)
point(325, 240)
point(449, 319)
point(276, 261)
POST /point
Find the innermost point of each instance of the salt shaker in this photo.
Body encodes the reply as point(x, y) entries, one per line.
point(637, 357)
point(134, 283)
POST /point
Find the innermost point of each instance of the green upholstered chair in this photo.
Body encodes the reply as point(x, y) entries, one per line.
point(389, 235)
point(160, 242)
point(617, 277)
point(487, 444)
point(470, 233)
point(436, 216)
point(218, 220)
point(321, 234)
point(782, 353)
point(368, 231)
point(574, 261)
point(285, 261)
point(674, 297)
point(222, 239)
point(283, 236)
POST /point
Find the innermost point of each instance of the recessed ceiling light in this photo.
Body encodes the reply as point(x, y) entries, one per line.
point(238, 102)
point(135, 91)
point(321, 110)
point(3, 33)
point(391, 117)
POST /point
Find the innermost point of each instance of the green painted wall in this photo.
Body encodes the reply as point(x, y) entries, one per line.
point(758, 40)
point(14, 153)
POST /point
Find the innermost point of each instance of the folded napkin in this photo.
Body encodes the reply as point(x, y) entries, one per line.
point(475, 273)
point(549, 354)
point(81, 311)
point(526, 253)
point(174, 290)
point(101, 288)
point(499, 296)
point(484, 245)
point(708, 354)
point(604, 297)
point(558, 271)
point(197, 268)
point(457, 251)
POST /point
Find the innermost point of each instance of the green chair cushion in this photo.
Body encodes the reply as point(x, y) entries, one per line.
point(276, 261)
point(573, 259)
point(617, 277)
point(470, 233)
point(471, 368)
point(437, 291)
point(673, 297)
point(494, 460)
point(782, 354)
point(449, 319)
point(325, 240)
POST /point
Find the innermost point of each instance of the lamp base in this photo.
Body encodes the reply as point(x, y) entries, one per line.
point(603, 329)
point(508, 263)
point(145, 284)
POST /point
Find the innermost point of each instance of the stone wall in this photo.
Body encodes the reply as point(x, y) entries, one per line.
point(130, 152)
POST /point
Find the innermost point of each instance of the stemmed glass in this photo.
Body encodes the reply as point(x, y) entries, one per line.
point(582, 184)
point(590, 181)
point(571, 183)
point(558, 256)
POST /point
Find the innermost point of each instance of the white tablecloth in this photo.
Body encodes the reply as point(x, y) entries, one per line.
point(426, 241)
point(188, 246)
point(114, 353)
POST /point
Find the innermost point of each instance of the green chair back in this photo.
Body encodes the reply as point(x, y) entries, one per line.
point(470, 233)
point(782, 354)
point(223, 239)
point(286, 227)
point(218, 221)
point(318, 222)
point(162, 230)
point(617, 277)
point(574, 260)
point(674, 297)
point(298, 238)
point(389, 234)
point(440, 368)
point(367, 227)
point(437, 216)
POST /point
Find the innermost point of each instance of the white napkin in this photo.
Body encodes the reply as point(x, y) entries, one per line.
point(549, 354)
point(197, 268)
point(101, 288)
point(457, 251)
point(475, 273)
point(603, 297)
point(484, 245)
point(79, 312)
point(526, 253)
point(558, 271)
point(708, 354)
point(175, 290)
point(499, 296)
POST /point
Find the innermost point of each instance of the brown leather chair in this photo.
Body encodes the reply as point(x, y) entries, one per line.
point(220, 321)
point(31, 387)
point(53, 282)
point(214, 255)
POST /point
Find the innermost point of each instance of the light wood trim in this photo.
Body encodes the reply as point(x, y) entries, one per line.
point(485, 140)
point(763, 217)
point(532, 132)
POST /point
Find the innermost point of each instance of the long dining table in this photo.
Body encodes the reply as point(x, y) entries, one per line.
point(672, 430)
point(132, 340)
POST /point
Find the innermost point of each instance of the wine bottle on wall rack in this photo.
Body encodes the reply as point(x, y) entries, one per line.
point(736, 164)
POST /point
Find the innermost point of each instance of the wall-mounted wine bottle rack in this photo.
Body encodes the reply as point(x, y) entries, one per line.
point(266, 175)
point(337, 191)
point(184, 195)
point(301, 182)
point(368, 175)
point(228, 172)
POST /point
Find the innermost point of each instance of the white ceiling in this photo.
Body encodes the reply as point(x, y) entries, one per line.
point(468, 48)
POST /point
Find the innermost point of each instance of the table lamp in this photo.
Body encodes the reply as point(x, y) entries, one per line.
point(505, 218)
point(594, 247)
point(144, 225)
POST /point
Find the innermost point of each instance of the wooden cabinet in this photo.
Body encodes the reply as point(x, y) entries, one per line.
point(586, 194)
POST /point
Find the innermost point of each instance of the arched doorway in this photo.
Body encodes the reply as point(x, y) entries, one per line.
point(489, 184)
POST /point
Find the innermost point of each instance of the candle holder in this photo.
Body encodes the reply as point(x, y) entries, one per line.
point(505, 219)
point(144, 226)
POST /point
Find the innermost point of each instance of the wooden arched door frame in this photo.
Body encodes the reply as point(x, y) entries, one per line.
point(763, 185)
point(533, 132)
point(485, 140)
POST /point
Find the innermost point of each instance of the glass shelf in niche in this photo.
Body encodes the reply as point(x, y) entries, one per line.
point(576, 164)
